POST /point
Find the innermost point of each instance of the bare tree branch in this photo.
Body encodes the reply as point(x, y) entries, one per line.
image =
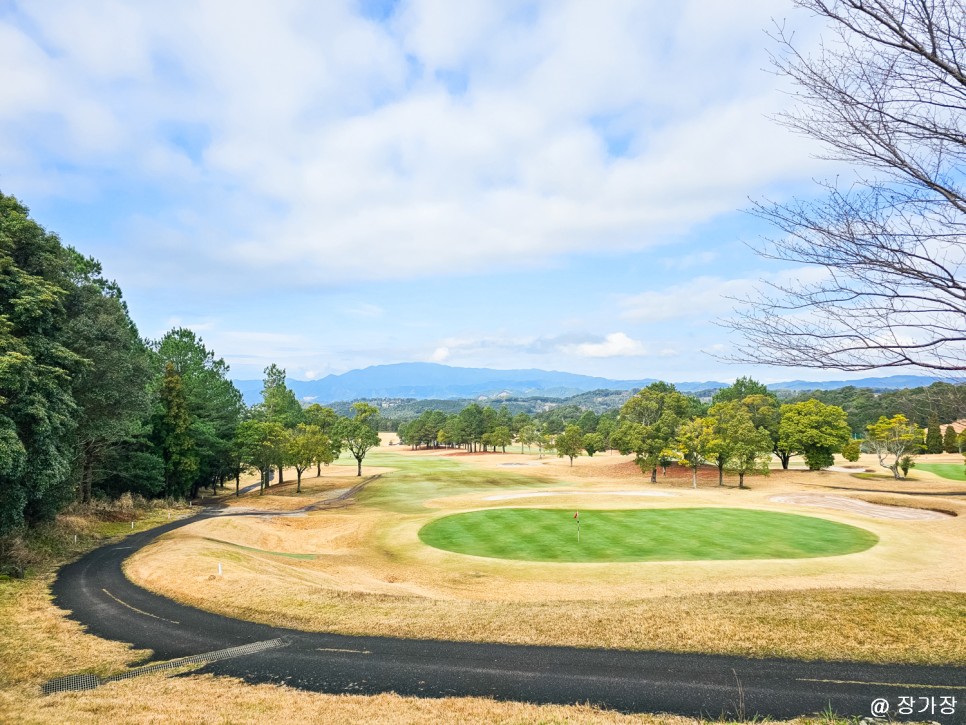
point(887, 92)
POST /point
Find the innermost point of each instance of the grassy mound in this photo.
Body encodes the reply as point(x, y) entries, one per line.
point(687, 534)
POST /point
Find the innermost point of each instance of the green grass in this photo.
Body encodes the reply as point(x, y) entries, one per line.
point(417, 480)
point(952, 471)
point(688, 534)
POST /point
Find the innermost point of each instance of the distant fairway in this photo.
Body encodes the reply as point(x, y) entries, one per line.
point(687, 534)
point(952, 471)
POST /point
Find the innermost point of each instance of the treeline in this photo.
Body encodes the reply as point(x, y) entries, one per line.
point(88, 408)
point(486, 428)
point(739, 431)
point(943, 402)
point(864, 406)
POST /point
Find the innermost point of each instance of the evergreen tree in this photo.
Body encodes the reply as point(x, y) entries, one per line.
point(172, 432)
point(934, 438)
point(37, 408)
point(215, 405)
point(950, 440)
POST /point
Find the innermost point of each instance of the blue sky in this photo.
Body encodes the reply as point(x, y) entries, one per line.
point(333, 185)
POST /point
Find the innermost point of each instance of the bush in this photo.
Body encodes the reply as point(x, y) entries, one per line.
point(851, 450)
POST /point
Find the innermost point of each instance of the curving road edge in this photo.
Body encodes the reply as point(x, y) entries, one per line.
point(97, 594)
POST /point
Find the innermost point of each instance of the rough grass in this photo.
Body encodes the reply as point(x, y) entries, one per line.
point(206, 699)
point(950, 471)
point(690, 534)
point(374, 575)
point(843, 625)
point(37, 643)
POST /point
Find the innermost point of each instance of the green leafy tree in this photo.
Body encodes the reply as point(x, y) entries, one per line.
point(893, 439)
point(588, 422)
point(658, 410)
point(605, 427)
point(593, 442)
point(747, 449)
point(501, 436)
point(741, 389)
point(934, 437)
point(261, 445)
point(570, 443)
point(527, 436)
point(950, 440)
point(520, 421)
point(697, 442)
point(358, 433)
point(306, 444)
point(325, 419)
point(815, 430)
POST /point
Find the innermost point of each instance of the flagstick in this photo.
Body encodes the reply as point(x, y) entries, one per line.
point(578, 531)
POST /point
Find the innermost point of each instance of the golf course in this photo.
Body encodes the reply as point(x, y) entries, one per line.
point(691, 534)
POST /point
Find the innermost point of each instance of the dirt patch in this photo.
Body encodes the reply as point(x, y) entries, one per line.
point(863, 508)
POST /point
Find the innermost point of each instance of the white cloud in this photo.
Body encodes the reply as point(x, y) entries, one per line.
point(616, 344)
point(706, 297)
point(335, 146)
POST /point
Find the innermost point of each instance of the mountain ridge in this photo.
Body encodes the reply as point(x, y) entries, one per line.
point(437, 381)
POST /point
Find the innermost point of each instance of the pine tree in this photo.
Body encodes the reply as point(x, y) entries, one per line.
point(173, 436)
point(934, 438)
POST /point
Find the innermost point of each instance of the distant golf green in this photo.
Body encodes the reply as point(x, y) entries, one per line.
point(952, 471)
point(688, 534)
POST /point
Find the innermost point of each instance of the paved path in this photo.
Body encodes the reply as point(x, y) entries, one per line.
point(98, 594)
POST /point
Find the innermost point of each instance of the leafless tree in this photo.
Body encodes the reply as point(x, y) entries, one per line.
point(886, 91)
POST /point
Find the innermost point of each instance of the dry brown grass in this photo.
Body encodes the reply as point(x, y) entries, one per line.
point(207, 699)
point(37, 642)
point(902, 601)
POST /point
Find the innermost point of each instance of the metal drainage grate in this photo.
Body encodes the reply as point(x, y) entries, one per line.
point(87, 681)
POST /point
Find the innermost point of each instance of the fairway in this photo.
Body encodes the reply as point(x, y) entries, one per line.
point(952, 471)
point(687, 534)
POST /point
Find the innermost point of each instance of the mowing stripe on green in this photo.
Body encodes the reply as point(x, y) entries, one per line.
point(952, 471)
point(685, 534)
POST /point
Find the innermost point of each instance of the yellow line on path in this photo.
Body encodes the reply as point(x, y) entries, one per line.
point(883, 684)
point(135, 609)
point(336, 649)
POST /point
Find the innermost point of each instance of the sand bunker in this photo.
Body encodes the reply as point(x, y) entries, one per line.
point(855, 506)
point(508, 496)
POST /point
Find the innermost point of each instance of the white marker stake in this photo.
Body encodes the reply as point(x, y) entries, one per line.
point(132, 525)
point(75, 538)
point(219, 568)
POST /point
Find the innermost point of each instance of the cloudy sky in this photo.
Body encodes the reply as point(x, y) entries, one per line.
point(330, 185)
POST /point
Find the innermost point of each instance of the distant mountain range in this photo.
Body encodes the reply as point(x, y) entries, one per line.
point(443, 382)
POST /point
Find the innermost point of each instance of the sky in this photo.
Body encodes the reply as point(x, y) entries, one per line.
point(329, 185)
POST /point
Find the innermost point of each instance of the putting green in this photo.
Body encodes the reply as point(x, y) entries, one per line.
point(687, 534)
point(952, 471)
